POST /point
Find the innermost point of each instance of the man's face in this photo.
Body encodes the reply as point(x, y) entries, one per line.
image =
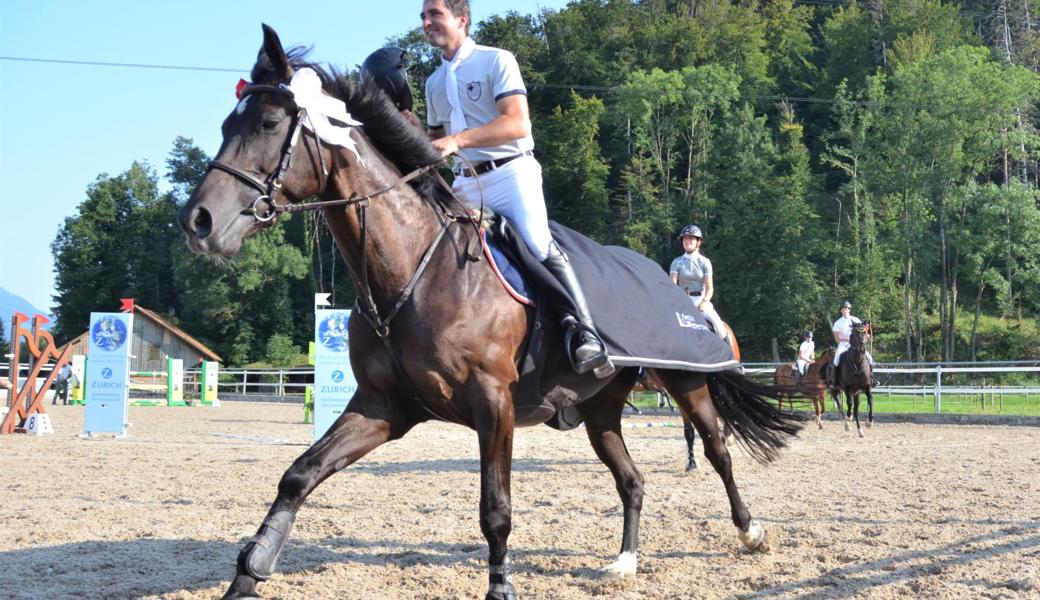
point(442, 28)
point(845, 310)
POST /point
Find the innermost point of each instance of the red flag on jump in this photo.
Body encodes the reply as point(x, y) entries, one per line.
point(127, 306)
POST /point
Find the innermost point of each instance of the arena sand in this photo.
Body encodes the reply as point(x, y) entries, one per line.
point(922, 511)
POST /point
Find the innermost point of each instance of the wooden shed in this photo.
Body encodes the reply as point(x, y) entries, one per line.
point(154, 339)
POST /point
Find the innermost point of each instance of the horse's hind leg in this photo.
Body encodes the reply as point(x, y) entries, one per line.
point(691, 394)
point(602, 415)
point(352, 436)
point(691, 436)
point(836, 394)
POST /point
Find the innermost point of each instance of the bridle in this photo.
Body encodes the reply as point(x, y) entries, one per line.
point(273, 184)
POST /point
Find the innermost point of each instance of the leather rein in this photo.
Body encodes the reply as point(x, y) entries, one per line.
point(273, 184)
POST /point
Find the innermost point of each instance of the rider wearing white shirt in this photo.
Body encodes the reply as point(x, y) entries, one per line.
point(806, 352)
point(842, 330)
point(477, 108)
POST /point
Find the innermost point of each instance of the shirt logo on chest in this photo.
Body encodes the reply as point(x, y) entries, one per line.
point(473, 90)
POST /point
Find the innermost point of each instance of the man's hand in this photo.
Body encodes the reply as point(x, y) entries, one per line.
point(447, 145)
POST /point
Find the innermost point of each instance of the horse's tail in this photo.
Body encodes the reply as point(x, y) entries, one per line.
point(751, 410)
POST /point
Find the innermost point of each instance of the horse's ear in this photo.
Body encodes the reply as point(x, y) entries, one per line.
point(272, 56)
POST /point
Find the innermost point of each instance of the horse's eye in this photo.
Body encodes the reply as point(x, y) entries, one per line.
point(271, 124)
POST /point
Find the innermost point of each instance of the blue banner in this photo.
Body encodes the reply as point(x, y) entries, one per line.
point(334, 382)
point(107, 366)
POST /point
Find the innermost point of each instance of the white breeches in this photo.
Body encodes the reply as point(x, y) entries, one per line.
point(842, 347)
point(802, 365)
point(515, 191)
point(709, 313)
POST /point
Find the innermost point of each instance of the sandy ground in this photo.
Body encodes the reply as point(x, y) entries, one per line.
point(921, 511)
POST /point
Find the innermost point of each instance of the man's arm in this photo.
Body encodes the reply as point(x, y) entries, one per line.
point(513, 122)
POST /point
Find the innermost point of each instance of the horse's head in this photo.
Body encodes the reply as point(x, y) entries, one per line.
point(860, 333)
point(289, 138)
point(255, 170)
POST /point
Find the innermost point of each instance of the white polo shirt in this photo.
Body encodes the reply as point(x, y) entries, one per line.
point(485, 76)
point(843, 327)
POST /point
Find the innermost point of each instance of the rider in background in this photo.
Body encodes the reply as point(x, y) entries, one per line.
point(806, 353)
point(842, 330)
point(692, 272)
point(388, 68)
point(477, 108)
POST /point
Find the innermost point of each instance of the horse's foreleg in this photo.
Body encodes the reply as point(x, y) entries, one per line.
point(854, 406)
point(602, 415)
point(352, 436)
point(819, 406)
point(692, 395)
point(495, 433)
point(870, 408)
point(691, 436)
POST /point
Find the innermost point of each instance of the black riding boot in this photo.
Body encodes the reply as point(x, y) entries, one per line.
point(831, 375)
point(590, 353)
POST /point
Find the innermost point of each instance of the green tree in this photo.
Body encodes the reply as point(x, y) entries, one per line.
point(280, 351)
point(575, 171)
point(114, 247)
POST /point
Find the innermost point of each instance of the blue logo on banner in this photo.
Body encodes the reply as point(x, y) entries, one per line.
point(106, 373)
point(337, 376)
point(332, 333)
point(109, 334)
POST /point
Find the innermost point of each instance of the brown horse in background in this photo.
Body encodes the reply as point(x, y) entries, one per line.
point(812, 385)
point(444, 346)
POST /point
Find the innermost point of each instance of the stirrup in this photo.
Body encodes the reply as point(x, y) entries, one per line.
point(599, 363)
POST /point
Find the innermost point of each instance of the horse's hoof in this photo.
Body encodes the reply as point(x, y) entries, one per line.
point(819, 424)
point(846, 425)
point(624, 566)
point(691, 466)
point(754, 537)
point(500, 591)
point(861, 432)
point(870, 424)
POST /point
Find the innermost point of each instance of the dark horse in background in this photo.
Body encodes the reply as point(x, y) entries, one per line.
point(853, 376)
point(648, 380)
point(812, 385)
point(453, 349)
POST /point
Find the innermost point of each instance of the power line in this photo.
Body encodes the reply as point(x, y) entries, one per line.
point(564, 86)
point(93, 63)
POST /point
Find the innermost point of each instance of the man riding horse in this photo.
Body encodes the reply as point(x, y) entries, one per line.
point(842, 330)
point(491, 132)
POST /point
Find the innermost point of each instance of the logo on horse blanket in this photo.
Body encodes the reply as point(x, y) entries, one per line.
point(690, 321)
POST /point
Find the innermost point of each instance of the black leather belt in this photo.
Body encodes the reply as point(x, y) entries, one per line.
point(695, 293)
point(483, 167)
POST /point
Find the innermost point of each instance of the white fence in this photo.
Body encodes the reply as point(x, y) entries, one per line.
point(914, 379)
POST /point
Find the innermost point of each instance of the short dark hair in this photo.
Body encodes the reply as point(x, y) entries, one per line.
point(459, 8)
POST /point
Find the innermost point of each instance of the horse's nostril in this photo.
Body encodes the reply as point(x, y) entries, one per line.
point(203, 223)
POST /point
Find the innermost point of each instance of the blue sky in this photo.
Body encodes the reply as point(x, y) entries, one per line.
point(62, 125)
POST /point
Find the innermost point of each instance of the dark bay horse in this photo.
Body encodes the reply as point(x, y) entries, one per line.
point(853, 376)
point(441, 345)
point(650, 381)
point(812, 385)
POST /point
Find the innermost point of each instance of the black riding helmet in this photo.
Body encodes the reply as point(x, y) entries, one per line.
point(387, 67)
